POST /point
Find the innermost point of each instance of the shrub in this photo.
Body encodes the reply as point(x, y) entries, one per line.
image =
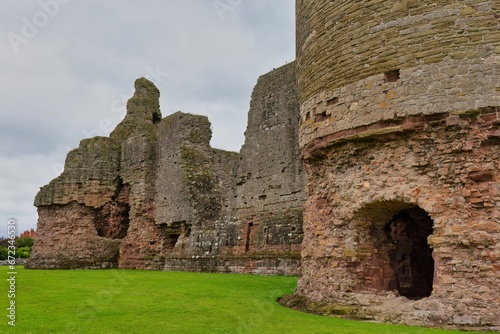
point(3, 253)
point(25, 242)
point(23, 252)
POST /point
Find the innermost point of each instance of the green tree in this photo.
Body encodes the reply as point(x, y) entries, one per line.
point(3, 253)
point(25, 242)
point(4, 242)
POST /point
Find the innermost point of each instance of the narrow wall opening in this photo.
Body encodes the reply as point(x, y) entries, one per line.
point(171, 240)
point(248, 234)
point(172, 233)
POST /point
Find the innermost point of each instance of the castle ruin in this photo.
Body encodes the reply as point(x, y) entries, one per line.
point(155, 195)
point(370, 167)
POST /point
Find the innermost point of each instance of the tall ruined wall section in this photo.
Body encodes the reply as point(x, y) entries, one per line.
point(155, 195)
point(400, 115)
point(269, 193)
point(270, 170)
point(101, 208)
point(260, 229)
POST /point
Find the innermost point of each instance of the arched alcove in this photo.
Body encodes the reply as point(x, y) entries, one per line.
point(395, 233)
point(411, 257)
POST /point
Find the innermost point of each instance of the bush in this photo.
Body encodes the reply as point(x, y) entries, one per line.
point(23, 248)
point(23, 252)
point(4, 242)
point(25, 242)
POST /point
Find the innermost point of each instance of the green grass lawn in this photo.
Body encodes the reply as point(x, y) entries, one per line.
point(125, 301)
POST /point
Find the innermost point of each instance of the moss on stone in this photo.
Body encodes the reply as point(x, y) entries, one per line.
point(143, 111)
point(201, 182)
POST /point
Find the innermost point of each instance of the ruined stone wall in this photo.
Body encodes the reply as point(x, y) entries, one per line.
point(142, 244)
point(100, 210)
point(155, 195)
point(269, 193)
point(89, 181)
point(260, 228)
point(137, 136)
point(399, 130)
point(172, 197)
point(270, 170)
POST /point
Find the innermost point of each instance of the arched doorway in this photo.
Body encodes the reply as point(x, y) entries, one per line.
point(410, 256)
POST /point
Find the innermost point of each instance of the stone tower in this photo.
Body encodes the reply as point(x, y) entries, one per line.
point(400, 115)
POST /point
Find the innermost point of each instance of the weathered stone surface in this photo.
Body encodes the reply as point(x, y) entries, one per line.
point(399, 130)
point(250, 219)
point(63, 245)
point(89, 177)
point(343, 43)
point(269, 192)
point(155, 195)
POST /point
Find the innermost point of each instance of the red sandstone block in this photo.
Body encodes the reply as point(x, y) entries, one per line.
point(453, 120)
point(476, 200)
point(413, 126)
point(489, 117)
point(320, 203)
point(387, 272)
point(481, 176)
point(376, 126)
point(378, 284)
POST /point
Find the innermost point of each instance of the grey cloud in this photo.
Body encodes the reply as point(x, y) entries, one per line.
point(79, 69)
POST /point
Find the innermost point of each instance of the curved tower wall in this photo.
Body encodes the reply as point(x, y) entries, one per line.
point(400, 114)
point(376, 62)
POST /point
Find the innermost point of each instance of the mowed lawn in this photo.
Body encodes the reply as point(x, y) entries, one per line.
point(127, 301)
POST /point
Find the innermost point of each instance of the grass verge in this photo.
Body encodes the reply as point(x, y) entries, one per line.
point(126, 301)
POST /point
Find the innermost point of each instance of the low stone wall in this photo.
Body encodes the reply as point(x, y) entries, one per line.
point(274, 265)
point(19, 262)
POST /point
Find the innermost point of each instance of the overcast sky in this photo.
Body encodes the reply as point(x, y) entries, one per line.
point(67, 68)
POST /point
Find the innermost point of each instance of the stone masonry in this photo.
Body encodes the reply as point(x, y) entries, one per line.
point(400, 132)
point(155, 195)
